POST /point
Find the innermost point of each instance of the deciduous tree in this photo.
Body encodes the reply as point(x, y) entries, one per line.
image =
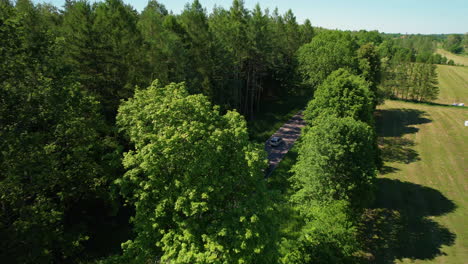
point(327, 52)
point(195, 181)
point(335, 162)
point(344, 95)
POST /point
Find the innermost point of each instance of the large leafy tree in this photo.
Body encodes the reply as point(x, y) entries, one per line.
point(332, 182)
point(335, 162)
point(328, 235)
point(370, 69)
point(344, 95)
point(327, 52)
point(195, 181)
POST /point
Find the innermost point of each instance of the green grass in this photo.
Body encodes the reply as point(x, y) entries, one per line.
point(420, 215)
point(453, 84)
point(458, 59)
point(272, 115)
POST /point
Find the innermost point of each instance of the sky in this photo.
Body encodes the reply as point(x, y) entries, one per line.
point(390, 16)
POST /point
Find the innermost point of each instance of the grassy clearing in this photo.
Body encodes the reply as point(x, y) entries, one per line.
point(453, 84)
point(421, 210)
point(458, 59)
point(273, 115)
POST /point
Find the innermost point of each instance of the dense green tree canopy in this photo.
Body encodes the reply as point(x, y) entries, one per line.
point(53, 155)
point(344, 95)
point(329, 235)
point(369, 67)
point(454, 43)
point(336, 162)
point(327, 52)
point(193, 188)
point(195, 180)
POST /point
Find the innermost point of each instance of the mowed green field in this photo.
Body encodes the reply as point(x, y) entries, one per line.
point(453, 84)
point(458, 59)
point(422, 197)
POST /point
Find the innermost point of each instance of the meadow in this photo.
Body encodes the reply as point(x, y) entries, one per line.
point(422, 191)
point(421, 203)
point(453, 84)
point(458, 59)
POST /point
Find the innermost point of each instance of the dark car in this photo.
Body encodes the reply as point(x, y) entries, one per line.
point(275, 141)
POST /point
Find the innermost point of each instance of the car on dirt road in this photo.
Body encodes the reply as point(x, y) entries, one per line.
point(275, 141)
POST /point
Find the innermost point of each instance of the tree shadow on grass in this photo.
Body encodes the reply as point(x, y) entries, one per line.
point(399, 225)
point(395, 149)
point(392, 125)
point(398, 122)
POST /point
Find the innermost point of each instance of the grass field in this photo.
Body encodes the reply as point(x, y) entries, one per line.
point(458, 59)
point(453, 84)
point(422, 193)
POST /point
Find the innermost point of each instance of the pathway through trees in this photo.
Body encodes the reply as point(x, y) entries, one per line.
point(289, 132)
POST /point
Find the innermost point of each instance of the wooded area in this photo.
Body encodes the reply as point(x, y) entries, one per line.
point(127, 128)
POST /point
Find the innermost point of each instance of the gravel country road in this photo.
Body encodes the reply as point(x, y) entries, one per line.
point(289, 132)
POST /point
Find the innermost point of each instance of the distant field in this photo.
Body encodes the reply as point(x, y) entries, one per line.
point(458, 59)
point(423, 192)
point(453, 84)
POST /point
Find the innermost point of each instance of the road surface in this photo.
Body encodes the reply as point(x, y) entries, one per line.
point(289, 132)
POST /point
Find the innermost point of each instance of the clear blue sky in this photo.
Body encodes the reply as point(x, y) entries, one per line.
point(391, 16)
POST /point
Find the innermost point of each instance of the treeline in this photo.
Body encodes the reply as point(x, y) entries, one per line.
point(408, 70)
point(64, 73)
point(333, 179)
point(234, 56)
point(92, 159)
point(412, 81)
point(456, 43)
point(415, 48)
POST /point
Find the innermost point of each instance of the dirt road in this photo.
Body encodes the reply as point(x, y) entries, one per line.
point(289, 132)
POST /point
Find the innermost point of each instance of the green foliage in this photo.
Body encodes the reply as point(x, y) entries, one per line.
point(412, 81)
point(365, 37)
point(55, 157)
point(164, 53)
point(193, 178)
point(329, 235)
point(453, 43)
point(194, 21)
point(336, 162)
point(369, 67)
point(327, 52)
point(101, 48)
point(307, 31)
point(344, 95)
point(195, 181)
point(416, 43)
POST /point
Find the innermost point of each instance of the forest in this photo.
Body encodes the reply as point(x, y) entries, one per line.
point(125, 135)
